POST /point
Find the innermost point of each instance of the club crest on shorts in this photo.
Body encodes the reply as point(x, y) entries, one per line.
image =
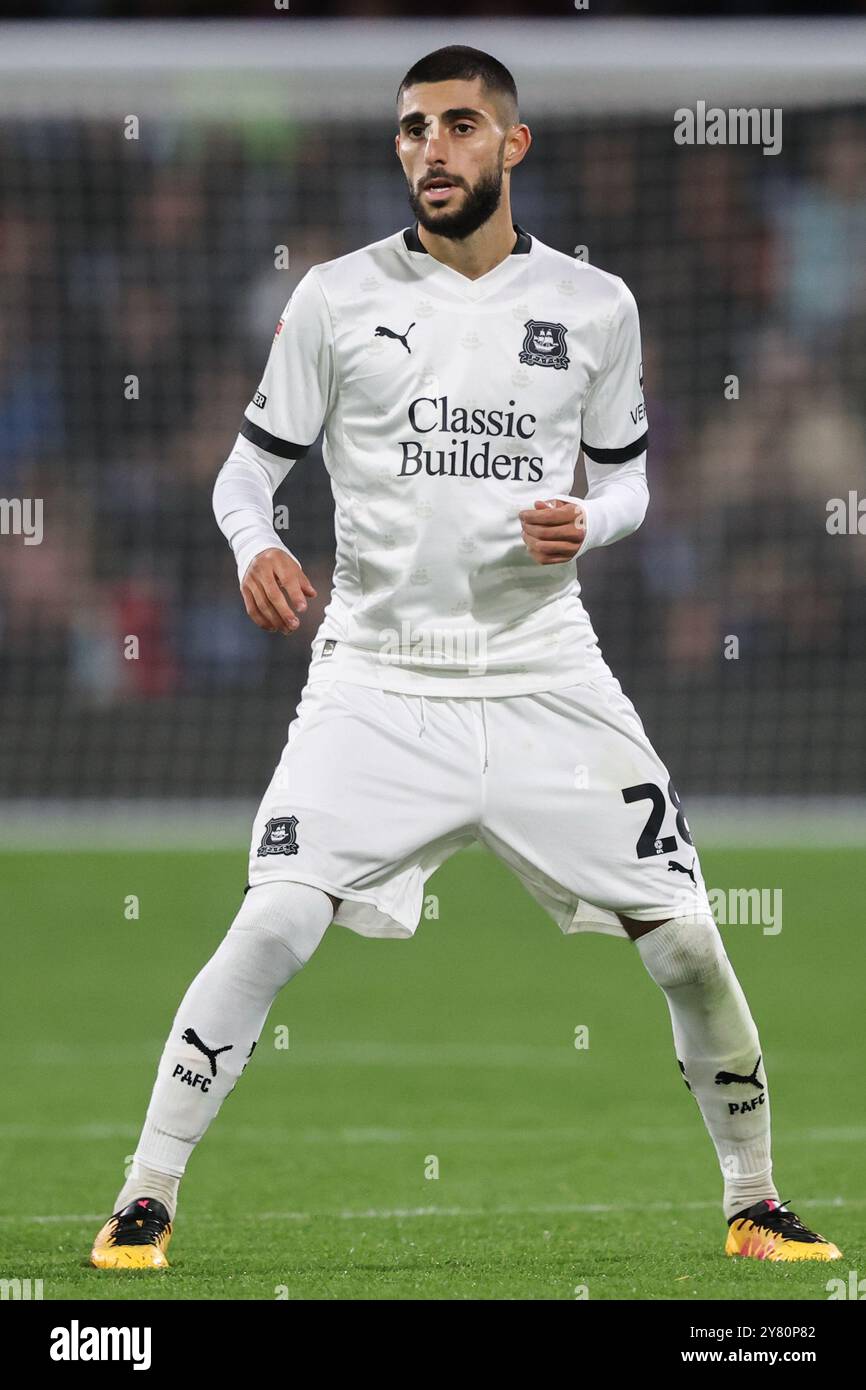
point(544, 344)
point(279, 836)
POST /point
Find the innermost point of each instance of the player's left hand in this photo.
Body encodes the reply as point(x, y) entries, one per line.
point(553, 531)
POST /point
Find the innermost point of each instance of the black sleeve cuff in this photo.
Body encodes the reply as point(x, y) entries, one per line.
point(283, 448)
point(628, 451)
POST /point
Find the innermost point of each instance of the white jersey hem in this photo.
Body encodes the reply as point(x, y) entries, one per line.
point(355, 666)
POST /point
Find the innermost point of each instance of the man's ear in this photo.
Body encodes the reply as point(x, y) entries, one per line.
point(522, 136)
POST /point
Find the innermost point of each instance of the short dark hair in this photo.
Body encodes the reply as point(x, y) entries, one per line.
point(458, 61)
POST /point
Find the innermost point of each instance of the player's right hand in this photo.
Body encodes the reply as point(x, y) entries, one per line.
point(274, 590)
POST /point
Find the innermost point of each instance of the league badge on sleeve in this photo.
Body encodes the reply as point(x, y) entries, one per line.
point(544, 344)
point(279, 836)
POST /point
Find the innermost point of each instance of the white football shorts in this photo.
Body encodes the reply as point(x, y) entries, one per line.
point(375, 789)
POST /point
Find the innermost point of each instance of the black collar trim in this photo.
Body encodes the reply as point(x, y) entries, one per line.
point(522, 245)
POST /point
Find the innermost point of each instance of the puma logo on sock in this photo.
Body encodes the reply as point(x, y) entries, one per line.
point(724, 1078)
point(192, 1037)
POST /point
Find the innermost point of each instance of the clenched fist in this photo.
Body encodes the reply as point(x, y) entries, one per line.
point(553, 531)
point(273, 586)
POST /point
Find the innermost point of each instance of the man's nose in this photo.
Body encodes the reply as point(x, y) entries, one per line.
point(435, 169)
point(434, 149)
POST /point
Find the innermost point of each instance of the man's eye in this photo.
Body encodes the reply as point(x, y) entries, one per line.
point(419, 132)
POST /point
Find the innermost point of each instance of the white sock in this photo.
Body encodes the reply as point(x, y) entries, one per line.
point(273, 936)
point(715, 1036)
point(148, 1182)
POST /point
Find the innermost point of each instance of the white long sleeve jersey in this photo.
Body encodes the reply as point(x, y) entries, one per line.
point(449, 405)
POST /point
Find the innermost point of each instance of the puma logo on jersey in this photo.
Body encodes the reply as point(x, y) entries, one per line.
point(725, 1078)
point(192, 1037)
point(675, 867)
point(389, 333)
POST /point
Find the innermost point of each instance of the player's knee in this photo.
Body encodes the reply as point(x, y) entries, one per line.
point(294, 916)
point(687, 951)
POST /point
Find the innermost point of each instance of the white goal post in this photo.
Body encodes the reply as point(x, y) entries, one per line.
point(582, 64)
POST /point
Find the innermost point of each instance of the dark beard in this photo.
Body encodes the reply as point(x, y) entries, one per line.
point(479, 205)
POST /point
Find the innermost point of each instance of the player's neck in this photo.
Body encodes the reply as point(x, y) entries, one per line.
point(479, 253)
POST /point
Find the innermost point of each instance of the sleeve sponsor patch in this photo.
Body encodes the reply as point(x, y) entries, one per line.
point(260, 399)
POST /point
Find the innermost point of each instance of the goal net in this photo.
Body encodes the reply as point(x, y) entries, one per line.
point(164, 187)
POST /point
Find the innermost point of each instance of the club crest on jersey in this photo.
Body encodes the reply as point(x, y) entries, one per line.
point(279, 836)
point(544, 344)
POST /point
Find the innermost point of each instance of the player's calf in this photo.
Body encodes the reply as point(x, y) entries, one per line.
point(212, 1038)
point(720, 1058)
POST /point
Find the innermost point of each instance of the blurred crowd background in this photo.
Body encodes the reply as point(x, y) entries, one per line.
point(155, 259)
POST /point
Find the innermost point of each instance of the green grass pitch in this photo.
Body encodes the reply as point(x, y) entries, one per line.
point(559, 1169)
